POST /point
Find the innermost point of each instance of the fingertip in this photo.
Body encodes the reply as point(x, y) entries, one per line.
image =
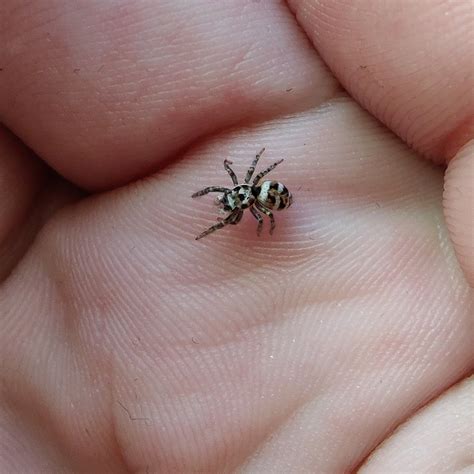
point(458, 201)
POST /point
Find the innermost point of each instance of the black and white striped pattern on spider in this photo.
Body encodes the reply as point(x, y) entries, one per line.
point(260, 197)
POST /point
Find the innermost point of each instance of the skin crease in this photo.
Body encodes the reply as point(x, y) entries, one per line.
point(339, 344)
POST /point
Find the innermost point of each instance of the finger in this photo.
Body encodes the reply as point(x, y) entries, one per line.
point(21, 177)
point(29, 194)
point(105, 93)
point(437, 439)
point(409, 63)
point(459, 207)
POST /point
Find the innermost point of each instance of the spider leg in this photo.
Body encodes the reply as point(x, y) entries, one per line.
point(250, 171)
point(237, 218)
point(263, 173)
point(269, 214)
point(259, 218)
point(230, 171)
point(219, 225)
point(210, 189)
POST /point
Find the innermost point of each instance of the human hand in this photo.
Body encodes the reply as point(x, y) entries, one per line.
point(129, 346)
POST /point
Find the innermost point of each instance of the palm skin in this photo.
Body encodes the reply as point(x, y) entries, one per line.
point(129, 346)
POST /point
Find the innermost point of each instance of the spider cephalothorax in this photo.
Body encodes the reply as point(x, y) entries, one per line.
point(260, 197)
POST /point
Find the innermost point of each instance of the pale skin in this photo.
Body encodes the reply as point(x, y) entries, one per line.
point(127, 346)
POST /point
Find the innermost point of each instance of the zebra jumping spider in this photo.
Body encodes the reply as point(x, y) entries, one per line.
point(260, 197)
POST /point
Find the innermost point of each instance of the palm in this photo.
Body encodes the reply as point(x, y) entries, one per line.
point(129, 345)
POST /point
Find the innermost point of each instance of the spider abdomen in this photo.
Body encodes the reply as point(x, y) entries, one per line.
point(273, 195)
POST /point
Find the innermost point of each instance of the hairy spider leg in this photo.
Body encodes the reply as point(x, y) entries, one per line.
point(250, 171)
point(265, 172)
point(268, 213)
point(228, 220)
point(259, 218)
point(211, 189)
point(230, 171)
point(237, 218)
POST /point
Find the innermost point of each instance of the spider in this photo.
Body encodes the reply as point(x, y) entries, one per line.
point(260, 197)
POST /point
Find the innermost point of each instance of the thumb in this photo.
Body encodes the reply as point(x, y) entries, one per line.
point(459, 207)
